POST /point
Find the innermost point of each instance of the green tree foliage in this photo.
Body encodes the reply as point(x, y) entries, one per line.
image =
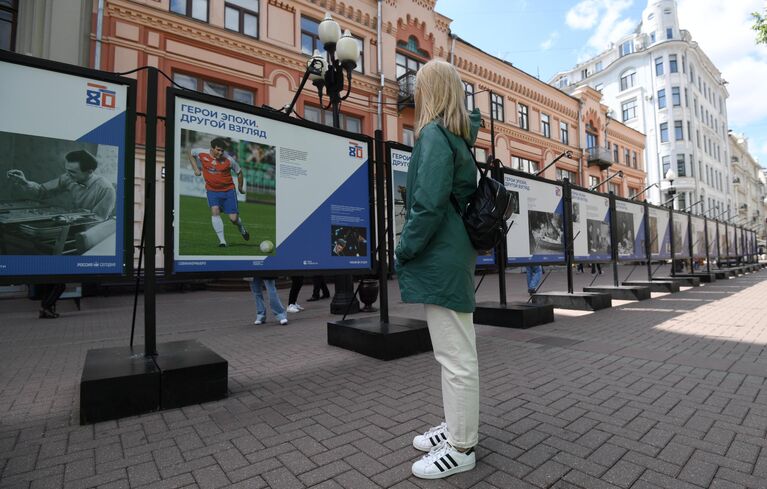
point(760, 26)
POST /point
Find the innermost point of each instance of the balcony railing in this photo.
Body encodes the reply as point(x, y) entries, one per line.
point(406, 96)
point(601, 157)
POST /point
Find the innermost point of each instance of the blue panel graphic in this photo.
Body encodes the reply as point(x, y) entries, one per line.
point(310, 245)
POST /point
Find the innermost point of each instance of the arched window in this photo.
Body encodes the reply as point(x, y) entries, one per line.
point(628, 79)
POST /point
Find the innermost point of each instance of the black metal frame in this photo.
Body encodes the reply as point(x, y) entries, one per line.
point(128, 162)
point(388, 146)
point(642, 206)
point(171, 95)
point(659, 258)
point(683, 254)
point(605, 196)
point(521, 174)
point(705, 237)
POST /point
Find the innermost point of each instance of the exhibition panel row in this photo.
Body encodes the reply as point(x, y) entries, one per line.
point(252, 191)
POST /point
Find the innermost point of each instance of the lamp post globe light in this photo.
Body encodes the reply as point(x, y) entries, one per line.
point(330, 75)
point(670, 177)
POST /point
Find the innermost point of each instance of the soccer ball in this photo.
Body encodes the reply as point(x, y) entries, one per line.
point(266, 246)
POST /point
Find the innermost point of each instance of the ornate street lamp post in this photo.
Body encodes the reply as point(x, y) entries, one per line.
point(671, 176)
point(331, 75)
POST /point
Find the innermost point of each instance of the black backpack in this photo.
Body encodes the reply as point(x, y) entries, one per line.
point(489, 208)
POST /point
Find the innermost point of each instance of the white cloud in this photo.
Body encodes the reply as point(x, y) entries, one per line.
point(583, 15)
point(545, 45)
point(723, 31)
point(606, 18)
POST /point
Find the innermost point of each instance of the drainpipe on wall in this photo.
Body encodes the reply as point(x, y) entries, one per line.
point(99, 29)
point(581, 176)
point(379, 64)
point(452, 47)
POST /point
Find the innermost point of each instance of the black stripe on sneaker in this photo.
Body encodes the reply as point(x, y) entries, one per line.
point(439, 466)
point(433, 441)
point(455, 464)
point(443, 435)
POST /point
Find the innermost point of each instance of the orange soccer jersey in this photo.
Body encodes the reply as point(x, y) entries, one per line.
point(217, 173)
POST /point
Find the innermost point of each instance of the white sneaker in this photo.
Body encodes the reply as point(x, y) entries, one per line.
point(293, 308)
point(432, 438)
point(258, 321)
point(283, 322)
point(299, 307)
point(443, 461)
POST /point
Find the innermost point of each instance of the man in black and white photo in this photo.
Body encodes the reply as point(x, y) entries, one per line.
point(84, 189)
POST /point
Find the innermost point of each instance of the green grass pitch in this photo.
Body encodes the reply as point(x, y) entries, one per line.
point(197, 238)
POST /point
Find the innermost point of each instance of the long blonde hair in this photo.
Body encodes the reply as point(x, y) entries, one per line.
point(439, 94)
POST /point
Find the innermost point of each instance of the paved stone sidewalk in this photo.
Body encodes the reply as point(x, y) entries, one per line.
point(666, 393)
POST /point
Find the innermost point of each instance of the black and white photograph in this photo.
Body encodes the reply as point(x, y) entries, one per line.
point(514, 201)
point(626, 233)
point(678, 237)
point(654, 245)
point(399, 180)
point(598, 234)
point(546, 233)
point(57, 197)
point(576, 212)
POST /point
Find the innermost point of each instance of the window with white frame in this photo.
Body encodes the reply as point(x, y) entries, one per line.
point(672, 65)
point(628, 79)
point(627, 48)
point(562, 174)
point(545, 125)
point(629, 109)
point(564, 133)
point(210, 87)
point(348, 123)
point(496, 106)
point(468, 93)
point(523, 117)
point(523, 164)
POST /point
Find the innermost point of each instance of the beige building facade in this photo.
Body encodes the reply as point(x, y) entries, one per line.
point(749, 190)
point(255, 51)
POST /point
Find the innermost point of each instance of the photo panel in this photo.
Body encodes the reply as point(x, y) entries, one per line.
point(400, 163)
point(537, 232)
point(713, 243)
point(732, 251)
point(254, 192)
point(722, 234)
point(660, 233)
point(698, 237)
point(591, 229)
point(681, 235)
point(62, 192)
point(629, 217)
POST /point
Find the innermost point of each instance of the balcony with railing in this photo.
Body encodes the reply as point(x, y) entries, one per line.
point(406, 96)
point(600, 157)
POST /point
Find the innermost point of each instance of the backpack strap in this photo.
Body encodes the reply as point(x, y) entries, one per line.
point(483, 173)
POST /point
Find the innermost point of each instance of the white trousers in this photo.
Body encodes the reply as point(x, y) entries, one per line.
point(455, 348)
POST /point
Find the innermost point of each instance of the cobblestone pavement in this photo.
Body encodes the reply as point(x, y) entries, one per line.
point(666, 393)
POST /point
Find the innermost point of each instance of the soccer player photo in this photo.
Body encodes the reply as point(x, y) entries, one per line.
point(227, 196)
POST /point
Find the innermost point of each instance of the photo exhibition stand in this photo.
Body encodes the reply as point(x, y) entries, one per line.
point(654, 284)
point(384, 337)
point(123, 381)
point(618, 291)
point(506, 314)
point(583, 301)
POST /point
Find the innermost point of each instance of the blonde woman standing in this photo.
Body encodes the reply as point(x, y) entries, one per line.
point(435, 261)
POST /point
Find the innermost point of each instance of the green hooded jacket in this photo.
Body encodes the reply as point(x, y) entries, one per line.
point(435, 259)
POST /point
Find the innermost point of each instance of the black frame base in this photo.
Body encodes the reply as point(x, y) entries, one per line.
point(521, 315)
point(191, 374)
point(622, 292)
point(116, 383)
point(682, 281)
point(397, 338)
point(704, 277)
point(655, 285)
point(122, 381)
point(582, 301)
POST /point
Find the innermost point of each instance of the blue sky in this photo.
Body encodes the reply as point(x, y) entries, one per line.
point(543, 37)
